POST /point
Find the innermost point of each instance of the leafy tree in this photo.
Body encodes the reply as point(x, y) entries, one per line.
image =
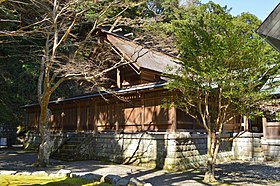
point(224, 64)
point(71, 49)
point(151, 22)
point(20, 50)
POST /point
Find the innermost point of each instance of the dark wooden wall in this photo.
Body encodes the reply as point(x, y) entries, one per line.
point(129, 113)
point(132, 112)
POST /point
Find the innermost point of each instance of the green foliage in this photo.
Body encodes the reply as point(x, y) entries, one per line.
point(20, 55)
point(224, 63)
point(167, 10)
point(18, 77)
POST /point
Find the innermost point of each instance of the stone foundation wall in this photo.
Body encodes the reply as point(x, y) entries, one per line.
point(171, 151)
point(248, 146)
point(271, 149)
point(33, 140)
point(254, 147)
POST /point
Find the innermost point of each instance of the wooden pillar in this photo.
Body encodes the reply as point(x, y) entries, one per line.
point(246, 123)
point(264, 124)
point(95, 120)
point(115, 118)
point(173, 116)
point(142, 112)
point(62, 120)
point(88, 115)
point(119, 83)
point(78, 117)
point(174, 127)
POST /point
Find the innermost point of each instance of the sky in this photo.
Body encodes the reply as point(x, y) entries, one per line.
point(260, 8)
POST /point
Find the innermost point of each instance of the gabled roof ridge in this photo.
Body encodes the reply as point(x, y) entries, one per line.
point(142, 56)
point(268, 16)
point(136, 42)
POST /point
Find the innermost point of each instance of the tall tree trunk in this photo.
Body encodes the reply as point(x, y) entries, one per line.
point(47, 143)
point(211, 160)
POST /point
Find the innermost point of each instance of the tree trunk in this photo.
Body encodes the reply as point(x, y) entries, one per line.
point(211, 161)
point(46, 145)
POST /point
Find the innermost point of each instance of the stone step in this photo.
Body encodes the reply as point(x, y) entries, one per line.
point(73, 143)
point(78, 138)
point(66, 151)
point(258, 150)
point(63, 158)
point(69, 151)
point(68, 146)
point(258, 154)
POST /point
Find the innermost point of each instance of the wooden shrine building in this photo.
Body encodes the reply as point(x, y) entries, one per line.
point(136, 104)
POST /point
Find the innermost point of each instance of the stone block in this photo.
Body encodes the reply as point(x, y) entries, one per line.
point(25, 173)
point(39, 173)
point(64, 173)
point(111, 179)
point(147, 184)
point(87, 176)
point(122, 182)
point(54, 175)
point(135, 182)
point(187, 154)
point(6, 172)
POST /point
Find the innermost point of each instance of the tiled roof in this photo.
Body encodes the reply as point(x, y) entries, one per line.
point(270, 28)
point(141, 56)
point(273, 91)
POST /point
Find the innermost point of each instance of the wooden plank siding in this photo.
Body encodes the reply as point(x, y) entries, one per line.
point(131, 112)
point(271, 130)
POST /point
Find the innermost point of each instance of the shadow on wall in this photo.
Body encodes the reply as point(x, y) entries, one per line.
point(146, 145)
point(172, 151)
point(161, 150)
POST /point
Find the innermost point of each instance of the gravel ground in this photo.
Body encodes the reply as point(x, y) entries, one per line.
point(262, 173)
point(232, 173)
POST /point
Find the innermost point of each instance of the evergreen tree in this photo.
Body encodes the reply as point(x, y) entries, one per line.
point(224, 64)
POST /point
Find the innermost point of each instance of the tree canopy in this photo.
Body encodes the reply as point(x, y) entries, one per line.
point(22, 41)
point(224, 65)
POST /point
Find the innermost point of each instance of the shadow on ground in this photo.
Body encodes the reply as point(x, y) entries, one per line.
point(20, 160)
point(263, 173)
point(158, 177)
point(232, 173)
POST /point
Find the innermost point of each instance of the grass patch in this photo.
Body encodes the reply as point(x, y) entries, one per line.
point(14, 180)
